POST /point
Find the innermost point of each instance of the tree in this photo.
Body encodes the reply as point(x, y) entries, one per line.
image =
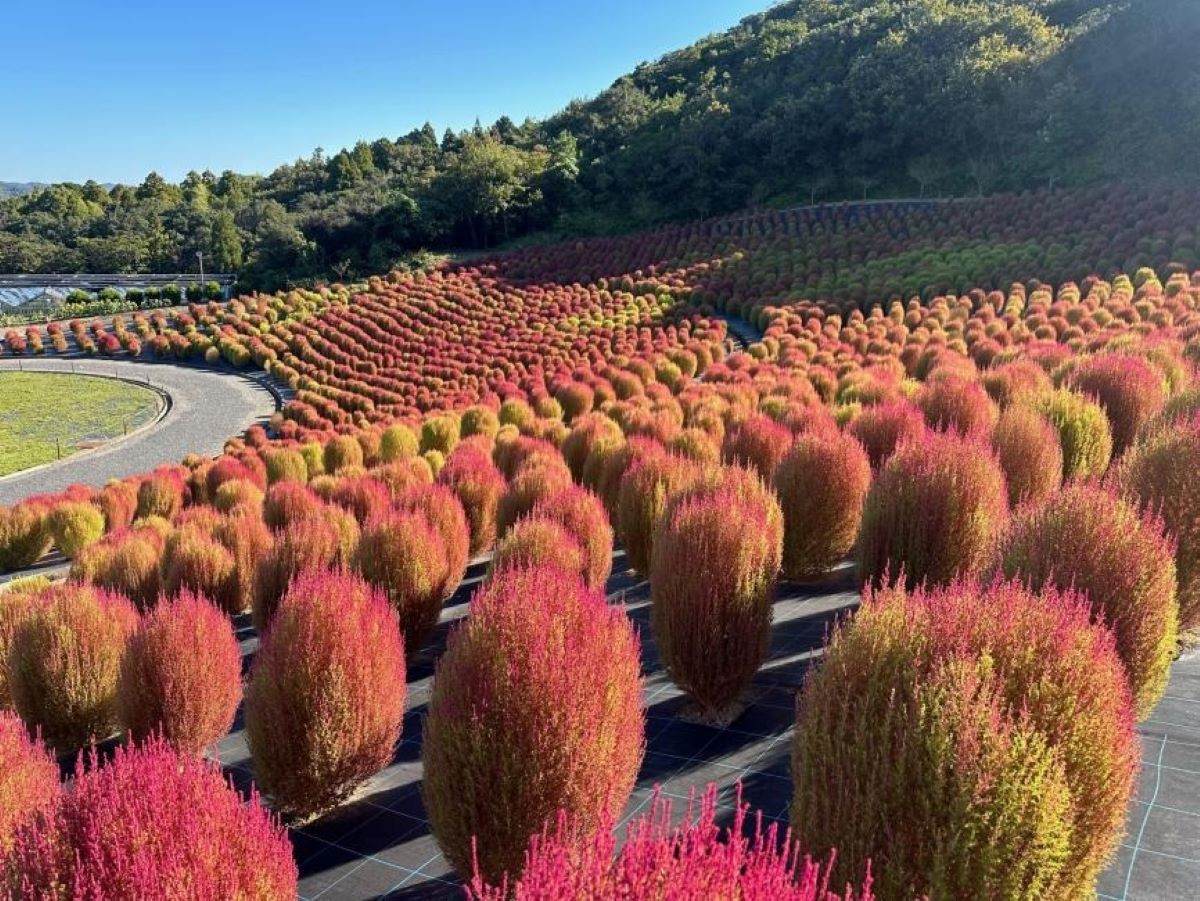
point(225, 244)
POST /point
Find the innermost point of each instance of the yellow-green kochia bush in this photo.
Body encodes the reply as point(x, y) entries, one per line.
point(969, 741)
point(1083, 431)
point(536, 707)
point(74, 525)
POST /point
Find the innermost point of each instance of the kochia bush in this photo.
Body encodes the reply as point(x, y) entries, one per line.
point(311, 543)
point(28, 780)
point(478, 484)
point(1028, 450)
point(1087, 538)
point(404, 556)
point(161, 494)
point(821, 484)
point(712, 581)
point(441, 507)
point(694, 859)
point(64, 663)
point(582, 514)
point(125, 562)
point(325, 700)
point(759, 442)
point(201, 564)
point(181, 677)
point(1128, 388)
point(534, 541)
point(16, 606)
point(24, 536)
point(74, 525)
point(956, 403)
point(534, 481)
point(1083, 432)
point(884, 427)
point(1006, 723)
point(171, 827)
point(933, 512)
point(646, 489)
point(545, 669)
point(1157, 474)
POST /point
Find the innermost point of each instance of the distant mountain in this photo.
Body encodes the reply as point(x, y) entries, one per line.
point(17, 188)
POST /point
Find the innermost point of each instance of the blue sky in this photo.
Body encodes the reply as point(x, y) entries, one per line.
point(112, 90)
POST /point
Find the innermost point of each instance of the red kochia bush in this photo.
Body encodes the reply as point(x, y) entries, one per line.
point(118, 502)
point(1131, 391)
point(821, 485)
point(760, 442)
point(696, 859)
point(645, 490)
point(28, 780)
point(1087, 538)
point(534, 541)
point(363, 496)
point(582, 514)
point(933, 511)
point(1159, 474)
point(403, 555)
point(1006, 725)
point(478, 485)
point(154, 824)
point(1028, 450)
point(182, 675)
point(438, 504)
point(64, 663)
point(325, 699)
point(286, 502)
point(712, 577)
point(884, 427)
point(312, 543)
point(544, 669)
point(956, 403)
point(534, 481)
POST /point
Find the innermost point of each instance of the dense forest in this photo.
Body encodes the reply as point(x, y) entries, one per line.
point(811, 100)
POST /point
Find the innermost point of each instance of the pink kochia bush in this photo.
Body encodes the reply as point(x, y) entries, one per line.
point(477, 483)
point(1028, 450)
point(1088, 538)
point(182, 676)
point(28, 780)
point(325, 700)
point(716, 555)
point(821, 484)
point(153, 824)
point(582, 514)
point(759, 442)
point(696, 859)
point(1131, 391)
point(64, 663)
point(884, 427)
point(536, 706)
point(933, 512)
point(972, 742)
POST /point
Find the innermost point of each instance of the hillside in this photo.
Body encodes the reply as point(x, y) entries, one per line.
point(811, 100)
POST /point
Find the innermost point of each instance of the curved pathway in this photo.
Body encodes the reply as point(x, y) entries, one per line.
point(207, 407)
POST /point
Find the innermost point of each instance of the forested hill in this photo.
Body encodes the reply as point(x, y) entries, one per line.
point(813, 99)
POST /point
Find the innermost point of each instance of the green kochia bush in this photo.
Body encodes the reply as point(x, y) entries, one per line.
point(1083, 432)
point(536, 707)
point(325, 700)
point(74, 525)
point(971, 742)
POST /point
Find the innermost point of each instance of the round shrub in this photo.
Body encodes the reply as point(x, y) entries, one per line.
point(582, 514)
point(403, 555)
point(397, 442)
point(478, 485)
point(543, 668)
point(28, 780)
point(590, 432)
point(160, 494)
point(933, 512)
point(342, 452)
point(365, 497)
point(24, 536)
point(1157, 474)
point(1028, 450)
point(954, 403)
point(285, 465)
point(1083, 432)
point(821, 484)
point(534, 541)
point(712, 581)
point(403, 475)
point(64, 662)
point(238, 494)
point(696, 444)
point(439, 505)
point(118, 502)
point(479, 421)
point(201, 564)
point(1128, 388)
point(1087, 538)
point(325, 699)
point(182, 675)
point(302, 545)
point(1006, 725)
point(440, 433)
point(695, 859)
point(172, 827)
point(287, 502)
point(126, 562)
point(881, 428)
point(17, 603)
point(646, 489)
point(531, 484)
point(759, 442)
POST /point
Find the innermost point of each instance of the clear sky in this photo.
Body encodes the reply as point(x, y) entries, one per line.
point(111, 89)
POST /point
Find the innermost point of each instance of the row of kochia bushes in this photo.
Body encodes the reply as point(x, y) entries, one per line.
point(1010, 703)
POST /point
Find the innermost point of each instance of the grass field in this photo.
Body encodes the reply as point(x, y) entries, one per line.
point(41, 411)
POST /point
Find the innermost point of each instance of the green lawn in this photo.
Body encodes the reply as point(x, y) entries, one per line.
point(80, 411)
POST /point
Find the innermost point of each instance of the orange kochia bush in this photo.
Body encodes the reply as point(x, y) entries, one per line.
point(545, 669)
point(325, 700)
point(28, 780)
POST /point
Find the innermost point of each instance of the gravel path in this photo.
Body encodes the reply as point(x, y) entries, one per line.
point(207, 407)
